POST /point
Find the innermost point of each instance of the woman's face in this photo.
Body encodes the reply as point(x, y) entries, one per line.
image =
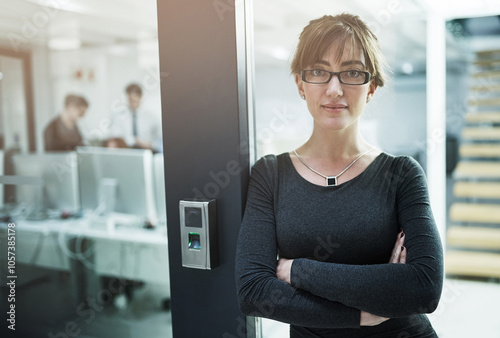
point(333, 105)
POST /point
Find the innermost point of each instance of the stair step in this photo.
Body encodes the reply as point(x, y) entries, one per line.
point(492, 62)
point(471, 263)
point(487, 73)
point(477, 189)
point(491, 116)
point(480, 150)
point(475, 213)
point(483, 53)
point(481, 133)
point(487, 87)
point(477, 169)
point(485, 102)
point(473, 237)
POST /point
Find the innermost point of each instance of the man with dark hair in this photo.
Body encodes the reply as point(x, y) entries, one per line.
point(136, 126)
point(62, 132)
point(134, 89)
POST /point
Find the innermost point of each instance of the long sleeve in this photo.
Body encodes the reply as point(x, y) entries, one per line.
point(260, 293)
point(390, 290)
point(51, 137)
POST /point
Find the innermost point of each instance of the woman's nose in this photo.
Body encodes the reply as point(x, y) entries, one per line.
point(334, 87)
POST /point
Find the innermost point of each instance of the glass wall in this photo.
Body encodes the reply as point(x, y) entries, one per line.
point(395, 120)
point(82, 219)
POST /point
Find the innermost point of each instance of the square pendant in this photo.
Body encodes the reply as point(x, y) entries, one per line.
point(331, 181)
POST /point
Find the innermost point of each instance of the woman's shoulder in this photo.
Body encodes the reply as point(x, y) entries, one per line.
point(402, 161)
point(271, 160)
point(269, 165)
point(404, 171)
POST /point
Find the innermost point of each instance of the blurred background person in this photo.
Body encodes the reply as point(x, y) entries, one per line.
point(137, 126)
point(62, 132)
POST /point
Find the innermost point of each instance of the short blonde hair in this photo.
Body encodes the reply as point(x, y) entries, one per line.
point(319, 35)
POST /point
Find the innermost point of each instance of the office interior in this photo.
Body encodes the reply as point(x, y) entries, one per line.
point(92, 246)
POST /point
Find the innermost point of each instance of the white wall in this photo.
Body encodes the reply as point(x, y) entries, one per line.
point(400, 116)
point(457, 95)
point(43, 99)
point(282, 119)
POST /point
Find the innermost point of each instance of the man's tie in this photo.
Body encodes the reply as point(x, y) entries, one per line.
point(134, 123)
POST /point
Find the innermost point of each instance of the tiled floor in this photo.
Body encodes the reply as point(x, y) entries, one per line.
point(468, 309)
point(142, 317)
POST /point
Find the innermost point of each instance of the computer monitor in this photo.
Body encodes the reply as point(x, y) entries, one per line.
point(59, 173)
point(131, 172)
point(159, 184)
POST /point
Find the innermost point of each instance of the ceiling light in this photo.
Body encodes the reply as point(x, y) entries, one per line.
point(120, 49)
point(453, 8)
point(64, 43)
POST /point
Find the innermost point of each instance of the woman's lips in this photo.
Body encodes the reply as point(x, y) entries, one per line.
point(334, 108)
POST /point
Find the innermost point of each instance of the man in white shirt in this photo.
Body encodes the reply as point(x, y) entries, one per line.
point(137, 127)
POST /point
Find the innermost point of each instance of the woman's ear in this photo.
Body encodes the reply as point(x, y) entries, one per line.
point(300, 84)
point(373, 88)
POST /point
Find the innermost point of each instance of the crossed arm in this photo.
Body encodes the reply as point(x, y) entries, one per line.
point(339, 295)
point(398, 256)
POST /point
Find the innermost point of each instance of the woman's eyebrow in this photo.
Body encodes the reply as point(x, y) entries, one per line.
point(352, 62)
point(343, 64)
point(323, 62)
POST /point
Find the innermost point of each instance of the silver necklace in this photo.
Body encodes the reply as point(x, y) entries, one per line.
point(331, 181)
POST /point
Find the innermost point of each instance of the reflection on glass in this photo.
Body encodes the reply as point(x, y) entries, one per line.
point(396, 120)
point(90, 222)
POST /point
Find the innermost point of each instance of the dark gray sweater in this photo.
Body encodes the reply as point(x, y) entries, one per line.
point(341, 239)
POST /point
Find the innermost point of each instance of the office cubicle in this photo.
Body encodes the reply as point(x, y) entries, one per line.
point(59, 174)
point(118, 180)
point(65, 244)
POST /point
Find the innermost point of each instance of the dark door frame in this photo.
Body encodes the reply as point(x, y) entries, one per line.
point(205, 120)
point(25, 57)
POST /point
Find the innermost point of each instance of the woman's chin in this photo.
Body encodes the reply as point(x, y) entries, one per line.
point(335, 125)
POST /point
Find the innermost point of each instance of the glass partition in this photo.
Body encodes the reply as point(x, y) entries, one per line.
point(86, 218)
point(395, 121)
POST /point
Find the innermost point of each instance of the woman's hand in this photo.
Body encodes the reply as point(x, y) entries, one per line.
point(399, 251)
point(398, 256)
point(283, 269)
point(367, 319)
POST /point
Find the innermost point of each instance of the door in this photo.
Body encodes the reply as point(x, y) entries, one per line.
point(16, 101)
point(207, 154)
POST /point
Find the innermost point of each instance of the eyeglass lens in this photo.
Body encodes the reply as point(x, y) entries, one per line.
point(347, 77)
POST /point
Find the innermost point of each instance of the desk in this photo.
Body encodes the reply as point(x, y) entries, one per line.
point(122, 252)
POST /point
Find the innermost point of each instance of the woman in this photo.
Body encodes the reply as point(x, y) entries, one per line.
point(337, 211)
point(62, 133)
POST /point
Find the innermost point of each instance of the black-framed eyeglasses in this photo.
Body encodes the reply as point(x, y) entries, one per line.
point(348, 77)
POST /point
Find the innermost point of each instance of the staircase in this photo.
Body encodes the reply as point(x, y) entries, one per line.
point(473, 238)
